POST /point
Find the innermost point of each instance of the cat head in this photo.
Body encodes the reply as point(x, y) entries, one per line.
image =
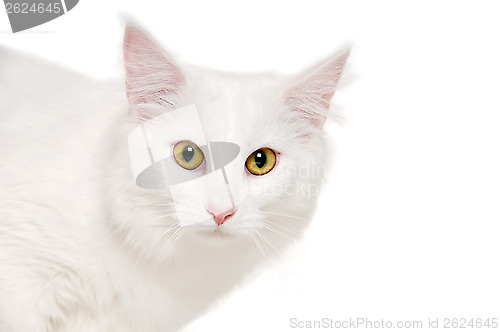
point(266, 130)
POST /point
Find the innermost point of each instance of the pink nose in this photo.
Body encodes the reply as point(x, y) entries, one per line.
point(221, 217)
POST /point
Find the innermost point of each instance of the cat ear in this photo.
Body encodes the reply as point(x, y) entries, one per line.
point(312, 94)
point(151, 76)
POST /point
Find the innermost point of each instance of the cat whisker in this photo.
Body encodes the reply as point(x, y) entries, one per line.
point(287, 234)
point(146, 252)
point(280, 227)
point(173, 239)
point(177, 234)
point(285, 215)
point(268, 244)
point(259, 247)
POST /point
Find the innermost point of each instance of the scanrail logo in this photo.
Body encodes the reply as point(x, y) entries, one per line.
point(26, 14)
point(186, 169)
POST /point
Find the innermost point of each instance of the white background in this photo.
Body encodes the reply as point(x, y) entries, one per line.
point(408, 227)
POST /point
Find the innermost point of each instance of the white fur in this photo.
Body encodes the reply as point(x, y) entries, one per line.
point(82, 248)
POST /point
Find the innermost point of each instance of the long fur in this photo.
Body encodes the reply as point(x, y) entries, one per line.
point(82, 248)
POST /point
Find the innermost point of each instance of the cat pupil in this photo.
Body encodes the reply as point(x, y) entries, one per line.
point(188, 153)
point(260, 159)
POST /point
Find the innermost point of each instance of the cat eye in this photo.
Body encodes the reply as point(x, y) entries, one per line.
point(188, 155)
point(261, 161)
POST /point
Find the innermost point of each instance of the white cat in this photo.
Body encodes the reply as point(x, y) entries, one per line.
point(83, 247)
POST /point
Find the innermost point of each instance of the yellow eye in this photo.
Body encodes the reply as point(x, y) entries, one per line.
point(261, 161)
point(188, 155)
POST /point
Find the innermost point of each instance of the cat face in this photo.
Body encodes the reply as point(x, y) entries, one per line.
point(236, 155)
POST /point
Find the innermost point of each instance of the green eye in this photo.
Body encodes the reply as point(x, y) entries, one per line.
point(188, 155)
point(261, 161)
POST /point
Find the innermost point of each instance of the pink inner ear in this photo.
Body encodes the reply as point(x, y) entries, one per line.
point(151, 77)
point(313, 94)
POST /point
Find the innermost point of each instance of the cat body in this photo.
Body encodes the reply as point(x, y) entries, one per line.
point(82, 247)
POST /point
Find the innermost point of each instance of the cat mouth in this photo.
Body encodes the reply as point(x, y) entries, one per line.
point(218, 231)
point(212, 229)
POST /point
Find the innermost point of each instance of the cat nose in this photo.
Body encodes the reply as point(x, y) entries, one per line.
point(221, 217)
